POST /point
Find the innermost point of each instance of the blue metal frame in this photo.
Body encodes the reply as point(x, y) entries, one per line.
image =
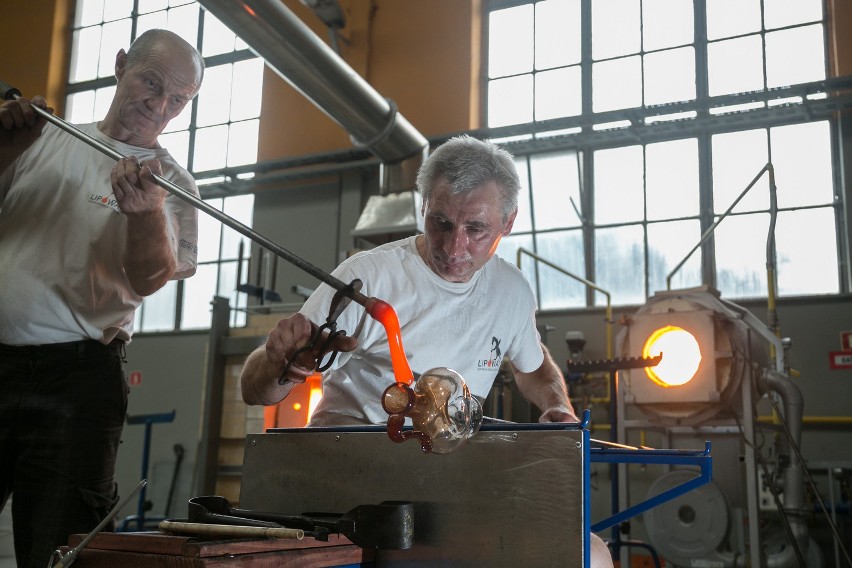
point(139, 518)
point(702, 459)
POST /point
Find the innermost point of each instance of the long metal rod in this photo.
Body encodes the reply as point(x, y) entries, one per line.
point(10, 93)
point(68, 559)
point(711, 228)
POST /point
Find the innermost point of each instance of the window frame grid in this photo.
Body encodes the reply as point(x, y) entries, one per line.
point(232, 57)
point(527, 139)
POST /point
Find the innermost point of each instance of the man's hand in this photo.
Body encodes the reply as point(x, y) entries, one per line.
point(135, 188)
point(263, 367)
point(292, 334)
point(558, 414)
point(20, 126)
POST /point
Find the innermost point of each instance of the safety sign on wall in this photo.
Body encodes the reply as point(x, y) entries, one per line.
point(842, 359)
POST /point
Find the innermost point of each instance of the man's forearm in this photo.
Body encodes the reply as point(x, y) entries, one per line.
point(149, 258)
point(258, 381)
point(545, 388)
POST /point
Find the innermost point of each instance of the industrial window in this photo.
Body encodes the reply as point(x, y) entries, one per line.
point(218, 130)
point(634, 135)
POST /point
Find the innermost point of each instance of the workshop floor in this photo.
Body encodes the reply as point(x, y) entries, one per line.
point(7, 551)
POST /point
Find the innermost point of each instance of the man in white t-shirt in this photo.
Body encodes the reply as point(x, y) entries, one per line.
point(83, 238)
point(458, 305)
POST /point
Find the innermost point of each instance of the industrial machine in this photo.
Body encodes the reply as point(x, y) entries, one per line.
point(719, 362)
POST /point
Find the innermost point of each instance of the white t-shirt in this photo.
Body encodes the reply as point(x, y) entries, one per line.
point(469, 327)
point(62, 238)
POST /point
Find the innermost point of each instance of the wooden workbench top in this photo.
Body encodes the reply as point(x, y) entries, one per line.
point(159, 549)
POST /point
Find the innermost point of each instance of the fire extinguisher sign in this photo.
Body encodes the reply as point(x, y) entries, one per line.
point(134, 379)
point(842, 359)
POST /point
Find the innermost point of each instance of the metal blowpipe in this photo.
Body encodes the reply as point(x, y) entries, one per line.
point(7, 92)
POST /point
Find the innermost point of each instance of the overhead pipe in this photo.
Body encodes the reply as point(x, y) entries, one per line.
point(296, 53)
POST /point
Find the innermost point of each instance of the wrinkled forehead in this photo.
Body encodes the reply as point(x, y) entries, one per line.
point(482, 201)
point(173, 62)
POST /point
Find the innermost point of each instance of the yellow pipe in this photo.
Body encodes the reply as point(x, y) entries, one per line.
point(811, 419)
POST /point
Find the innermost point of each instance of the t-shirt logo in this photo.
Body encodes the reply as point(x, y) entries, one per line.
point(495, 356)
point(105, 201)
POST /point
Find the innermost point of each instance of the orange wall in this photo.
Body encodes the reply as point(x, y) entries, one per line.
point(35, 42)
point(422, 55)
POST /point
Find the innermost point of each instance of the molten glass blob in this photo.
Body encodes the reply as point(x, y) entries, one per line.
point(443, 412)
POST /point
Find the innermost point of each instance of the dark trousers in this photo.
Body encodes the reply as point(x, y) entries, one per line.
point(62, 409)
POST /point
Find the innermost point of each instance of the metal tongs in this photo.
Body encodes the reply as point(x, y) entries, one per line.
point(321, 343)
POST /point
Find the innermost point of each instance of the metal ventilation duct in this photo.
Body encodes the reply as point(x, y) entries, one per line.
point(292, 50)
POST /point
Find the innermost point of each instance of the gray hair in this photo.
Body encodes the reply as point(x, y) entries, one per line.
point(148, 41)
point(467, 163)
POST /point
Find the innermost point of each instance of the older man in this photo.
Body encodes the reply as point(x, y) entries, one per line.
point(83, 239)
point(458, 305)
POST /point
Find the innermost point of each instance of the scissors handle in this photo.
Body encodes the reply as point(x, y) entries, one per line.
point(313, 347)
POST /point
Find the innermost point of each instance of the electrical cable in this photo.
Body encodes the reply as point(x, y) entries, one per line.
point(812, 484)
point(780, 506)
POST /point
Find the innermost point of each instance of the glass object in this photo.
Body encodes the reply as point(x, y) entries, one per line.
point(669, 76)
point(795, 56)
point(801, 156)
point(618, 179)
point(247, 89)
point(558, 93)
point(523, 220)
point(197, 294)
point(615, 28)
point(218, 38)
point(720, 23)
point(510, 101)
point(671, 179)
point(158, 309)
point(145, 22)
point(241, 209)
point(88, 12)
point(209, 234)
point(735, 65)
point(508, 251)
point(146, 6)
point(741, 255)
point(667, 23)
point(442, 410)
point(668, 245)
point(177, 143)
point(83, 66)
point(617, 84)
point(556, 182)
point(213, 108)
point(781, 13)
point(103, 98)
point(510, 41)
point(620, 264)
point(183, 21)
point(737, 159)
point(557, 33)
point(117, 9)
point(211, 148)
point(565, 250)
point(806, 244)
point(114, 36)
point(79, 107)
point(242, 143)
